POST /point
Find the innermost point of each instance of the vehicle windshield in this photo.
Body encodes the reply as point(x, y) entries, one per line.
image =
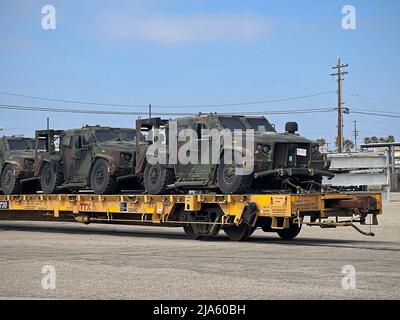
point(128, 135)
point(19, 144)
point(42, 144)
point(231, 123)
point(260, 124)
point(107, 135)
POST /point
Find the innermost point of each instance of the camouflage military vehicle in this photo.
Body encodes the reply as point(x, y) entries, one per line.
point(93, 157)
point(16, 164)
point(282, 161)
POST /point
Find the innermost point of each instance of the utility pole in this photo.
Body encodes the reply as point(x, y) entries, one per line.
point(339, 75)
point(355, 133)
point(149, 111)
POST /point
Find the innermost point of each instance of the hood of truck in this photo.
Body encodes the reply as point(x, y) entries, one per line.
point(123, 146)
point(22, 154)
point(274, 137)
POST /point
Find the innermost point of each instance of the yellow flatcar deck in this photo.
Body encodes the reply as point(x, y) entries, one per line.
point(160, 209)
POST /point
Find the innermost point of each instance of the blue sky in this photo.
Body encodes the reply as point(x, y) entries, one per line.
point(200, 52)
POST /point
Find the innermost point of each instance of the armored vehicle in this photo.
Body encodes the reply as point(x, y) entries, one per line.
point(93, 157)
point(279, 161)
point(16, 164)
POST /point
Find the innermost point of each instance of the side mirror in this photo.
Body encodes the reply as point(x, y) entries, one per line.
point(291, 127)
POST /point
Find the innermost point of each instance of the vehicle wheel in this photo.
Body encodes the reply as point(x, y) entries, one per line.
point(190, 232)
point(9, 183)
point(157, 178)
point(50, 179)
point(238, 233)
point(291, 233)
point(229, 182)
point(101, 181)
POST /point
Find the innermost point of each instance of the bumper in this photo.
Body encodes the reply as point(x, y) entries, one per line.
point(118, 171)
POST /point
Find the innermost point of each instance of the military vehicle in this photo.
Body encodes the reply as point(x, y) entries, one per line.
point(282, 161)
point(16, 164)
point(93, 157)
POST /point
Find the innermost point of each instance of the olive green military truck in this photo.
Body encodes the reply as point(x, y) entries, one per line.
point(16, 164)
point(93, 157)
point(280, 161)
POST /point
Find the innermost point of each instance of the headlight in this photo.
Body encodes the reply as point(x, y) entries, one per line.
point(29, 162)
point(126, 156)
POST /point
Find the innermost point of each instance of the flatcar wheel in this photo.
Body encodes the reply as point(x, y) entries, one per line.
point(188, 228)
point(238, 233)
point(253, 229)
point(290, 233)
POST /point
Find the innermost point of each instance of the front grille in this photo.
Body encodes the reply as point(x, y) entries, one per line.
point(291, 155)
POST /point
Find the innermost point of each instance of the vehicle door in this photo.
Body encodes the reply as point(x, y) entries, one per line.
point(66, 148)
point(200, 149)
point(81, 157)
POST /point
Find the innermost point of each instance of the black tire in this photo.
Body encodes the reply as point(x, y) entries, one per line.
point(9, 183)
point(157, 178)
point(231, 183)
point(50, 180)
point(238, 233)
point(101, 181)
point(291, 233)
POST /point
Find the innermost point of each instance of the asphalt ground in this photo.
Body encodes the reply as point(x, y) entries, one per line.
point(137, 262)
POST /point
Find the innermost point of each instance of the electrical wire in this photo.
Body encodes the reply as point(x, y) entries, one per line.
point(164, 106)
point(371, 99)
point(139, 113)
point(375, 114)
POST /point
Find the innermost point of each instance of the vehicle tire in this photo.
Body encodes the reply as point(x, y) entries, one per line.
point(157, 178)
point(9, 183)
point(231, 183)
point(50, 180)
point(291, 233)
point(101, 181)
point(238, 233)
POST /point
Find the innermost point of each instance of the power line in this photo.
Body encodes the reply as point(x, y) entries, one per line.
point(372, 99)
point(377, 110)
point(80, 111)
point(145, 112)
point(163, 106)
point(376, 114)
point(252, 102)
